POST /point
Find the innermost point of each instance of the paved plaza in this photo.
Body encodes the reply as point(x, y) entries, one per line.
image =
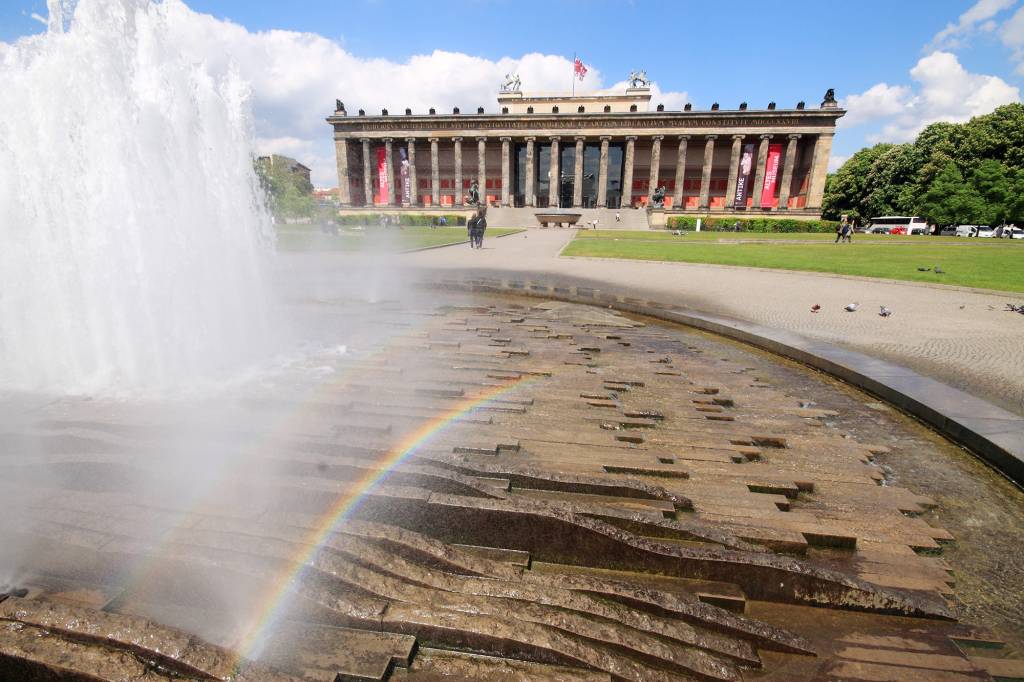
point(960, 337)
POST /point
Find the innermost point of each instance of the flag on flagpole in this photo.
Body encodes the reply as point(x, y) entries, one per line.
point(579, 69)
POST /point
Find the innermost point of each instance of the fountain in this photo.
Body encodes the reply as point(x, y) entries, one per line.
point(450, 481)
point(134, 236)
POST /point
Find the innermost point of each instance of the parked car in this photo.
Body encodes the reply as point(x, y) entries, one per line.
point(1013, 233)
point(919, 230)
point(966, 230)
point(879, 229)
point(984, 232)
point(948, 231)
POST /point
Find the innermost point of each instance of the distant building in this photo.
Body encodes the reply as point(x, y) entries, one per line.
point(293, 166)
point(325, 195)
point(591, 151)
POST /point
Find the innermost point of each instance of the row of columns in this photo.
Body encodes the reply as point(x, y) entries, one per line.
point(822, 149)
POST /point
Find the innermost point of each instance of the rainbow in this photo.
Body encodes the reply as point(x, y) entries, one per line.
point(273, 605)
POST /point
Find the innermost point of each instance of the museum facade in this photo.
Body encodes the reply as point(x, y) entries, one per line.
point(589, 151)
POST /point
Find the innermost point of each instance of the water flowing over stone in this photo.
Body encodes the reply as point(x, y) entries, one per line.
point(133, 233)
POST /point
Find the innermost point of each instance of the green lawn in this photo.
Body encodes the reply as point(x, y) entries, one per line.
point(985, 263)
point(732, 237)
point(377, 239)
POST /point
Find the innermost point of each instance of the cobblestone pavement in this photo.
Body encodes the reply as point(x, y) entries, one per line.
point(960, 337)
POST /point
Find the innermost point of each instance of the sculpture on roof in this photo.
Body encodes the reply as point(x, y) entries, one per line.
point(830, 96)
point(512, 83)
point(638, 79)
point(339, 105)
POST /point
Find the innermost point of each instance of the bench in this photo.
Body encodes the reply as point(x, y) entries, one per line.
point(559, 219)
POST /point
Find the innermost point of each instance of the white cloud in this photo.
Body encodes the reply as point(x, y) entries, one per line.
point(977, 17)
point(836, 161)
point(296, 77)
point(879, 101)
point(1011, 33)
point(944, 91)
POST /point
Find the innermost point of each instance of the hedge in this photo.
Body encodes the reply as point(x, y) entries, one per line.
point(724, 224)
point(411, 219)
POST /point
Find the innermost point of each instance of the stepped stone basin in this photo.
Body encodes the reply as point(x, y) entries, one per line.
point(558, 219)
point(491, 488)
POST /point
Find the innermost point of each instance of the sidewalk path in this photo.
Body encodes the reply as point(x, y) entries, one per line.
point(962, 338)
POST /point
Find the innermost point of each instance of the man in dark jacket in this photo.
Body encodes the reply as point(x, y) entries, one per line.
point(476, 233)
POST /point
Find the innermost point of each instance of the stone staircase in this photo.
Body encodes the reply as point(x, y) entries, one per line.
point(631, 218)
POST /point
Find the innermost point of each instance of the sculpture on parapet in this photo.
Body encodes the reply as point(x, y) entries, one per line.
point(830, 98)
point(339, 106)
point(638, 79)
point(512, 83)
point(659, 196)
point(474, 193)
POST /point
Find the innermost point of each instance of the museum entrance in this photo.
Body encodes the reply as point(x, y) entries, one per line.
point(567, 173)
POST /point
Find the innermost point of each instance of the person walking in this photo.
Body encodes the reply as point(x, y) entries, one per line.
point(839, 230)
point(471, 230)
point(480, 226)
point(848, 233)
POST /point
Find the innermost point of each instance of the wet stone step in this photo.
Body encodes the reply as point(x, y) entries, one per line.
point(327, 654)
point(515, 557)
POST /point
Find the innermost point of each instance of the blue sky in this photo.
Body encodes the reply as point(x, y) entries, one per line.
point(895, 65)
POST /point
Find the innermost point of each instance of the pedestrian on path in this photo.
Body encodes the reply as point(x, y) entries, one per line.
point(479, 224)
point(839, 230)
point(848, 233)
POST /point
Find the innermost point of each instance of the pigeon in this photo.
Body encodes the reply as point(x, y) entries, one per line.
point(851, 307)
point(939, 271)
point(924, 269)
point(884, 312)
point(815, 308)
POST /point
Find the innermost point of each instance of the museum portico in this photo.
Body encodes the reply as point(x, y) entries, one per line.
point(589, 151)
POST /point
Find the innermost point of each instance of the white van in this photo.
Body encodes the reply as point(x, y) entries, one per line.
point(967, 230)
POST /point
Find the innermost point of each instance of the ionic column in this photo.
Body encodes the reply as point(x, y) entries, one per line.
point(787, 171)
point(655, 168)
point(367, 174)
point(344, 176)
point(506, 157)
point(734, 171)
point(530, 180)
point(677, 195)
point(390, 167)
point(555, 181)
point(762, 162)
point(457, 141)
point(481, 167)
point(627, 172)
point(414, 192)
point(602, 174)
point(705, 176)
point(435, 173)
point(819, 169)
point(577, 177)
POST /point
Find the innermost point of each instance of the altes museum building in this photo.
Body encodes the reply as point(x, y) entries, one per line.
point(589, 151)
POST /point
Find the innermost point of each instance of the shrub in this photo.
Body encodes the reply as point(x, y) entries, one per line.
point(405, 219)
point(754, 224)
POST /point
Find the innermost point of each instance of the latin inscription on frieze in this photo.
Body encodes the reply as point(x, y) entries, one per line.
point(576, 123)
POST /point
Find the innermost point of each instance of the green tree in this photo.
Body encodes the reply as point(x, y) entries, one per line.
point(949, 200)
point(289, 195)
point(846, 188)
point(994, 184)
point(889, 174)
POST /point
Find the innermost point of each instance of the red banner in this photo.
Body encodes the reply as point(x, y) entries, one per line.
point(382, 175)
point(771, 174)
